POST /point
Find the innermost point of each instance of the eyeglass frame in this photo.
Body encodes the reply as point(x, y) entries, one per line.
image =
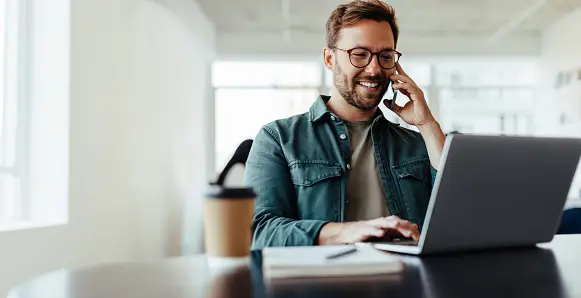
point(371, 57)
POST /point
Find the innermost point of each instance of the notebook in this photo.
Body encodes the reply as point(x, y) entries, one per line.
point(311, 261)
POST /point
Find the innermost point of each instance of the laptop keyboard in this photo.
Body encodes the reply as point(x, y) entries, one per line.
point(397, 241)
point(406, 243)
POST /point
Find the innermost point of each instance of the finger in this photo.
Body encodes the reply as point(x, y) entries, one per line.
point(397, 78)
point(387, 103)
point(402, 90)
point(409, 230)
point(372, 231)
point(402, 72)
point(385, 222)
point(383, 219)
point(405, 86)
point(397, 108)
point(403, 227)
point(408, 233)
point(416, 233)
point(364, 232)
point(409, 88)
point(407, 225)
point(399, 69)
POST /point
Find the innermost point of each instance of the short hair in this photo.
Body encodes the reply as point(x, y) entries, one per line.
point(346, 15)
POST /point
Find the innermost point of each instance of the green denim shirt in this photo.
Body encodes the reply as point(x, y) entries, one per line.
point(298, 168)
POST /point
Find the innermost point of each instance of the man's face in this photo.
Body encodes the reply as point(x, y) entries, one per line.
point(350, 80)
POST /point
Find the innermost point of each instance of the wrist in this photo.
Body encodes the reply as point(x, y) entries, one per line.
point(331, 233)
point(428, 125)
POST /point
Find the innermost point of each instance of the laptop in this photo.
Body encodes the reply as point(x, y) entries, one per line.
point(495, 192)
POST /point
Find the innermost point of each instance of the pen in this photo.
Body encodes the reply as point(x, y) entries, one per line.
point(343, 253)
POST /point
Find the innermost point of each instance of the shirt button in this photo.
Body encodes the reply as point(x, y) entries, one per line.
point(342, 136)
point(348, 167)
point(333, 118)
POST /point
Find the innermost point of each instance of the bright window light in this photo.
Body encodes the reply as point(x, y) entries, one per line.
point(266, 74)
point(11, 174)
point(34, 130)
point(240, 113)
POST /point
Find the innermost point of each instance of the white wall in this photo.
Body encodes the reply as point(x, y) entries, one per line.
point(139, 90)
point(561, 51)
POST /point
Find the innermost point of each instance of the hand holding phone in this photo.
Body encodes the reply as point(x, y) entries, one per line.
point(391, 102)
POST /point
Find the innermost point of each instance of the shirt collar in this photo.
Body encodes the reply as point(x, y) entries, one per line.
point(319, 109)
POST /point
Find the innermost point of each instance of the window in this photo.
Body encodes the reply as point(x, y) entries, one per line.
point(486, 97)
point(240, 113)
point(34, 113)
point(266, 74)
point(12, 146)
point(251, 94)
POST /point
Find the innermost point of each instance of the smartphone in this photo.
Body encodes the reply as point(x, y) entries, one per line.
point(392, 102)
point(391, 105)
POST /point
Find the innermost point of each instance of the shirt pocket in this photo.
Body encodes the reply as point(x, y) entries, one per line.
point(414, 181)
point(318, 188)
point(308, 173)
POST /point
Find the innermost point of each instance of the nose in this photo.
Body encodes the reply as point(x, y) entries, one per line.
point(373, 67)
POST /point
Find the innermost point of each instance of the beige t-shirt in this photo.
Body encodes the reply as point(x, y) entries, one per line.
point(365, 196)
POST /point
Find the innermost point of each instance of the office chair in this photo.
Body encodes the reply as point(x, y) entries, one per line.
point(240, 157)
point(570, 222)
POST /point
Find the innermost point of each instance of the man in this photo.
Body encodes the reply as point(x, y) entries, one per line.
point(341, 173)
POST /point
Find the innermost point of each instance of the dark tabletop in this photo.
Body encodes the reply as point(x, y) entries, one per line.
point(552, 270)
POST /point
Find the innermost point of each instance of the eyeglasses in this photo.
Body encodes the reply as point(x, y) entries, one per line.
point(361, 57)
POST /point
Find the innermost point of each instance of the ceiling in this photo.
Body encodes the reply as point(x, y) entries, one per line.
point(247, 25)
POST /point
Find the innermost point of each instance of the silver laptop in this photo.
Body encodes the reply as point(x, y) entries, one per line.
point(495, 192)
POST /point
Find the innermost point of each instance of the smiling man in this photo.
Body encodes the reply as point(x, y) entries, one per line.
point(342, 173)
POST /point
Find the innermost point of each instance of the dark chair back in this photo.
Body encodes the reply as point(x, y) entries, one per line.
point(570, 222)
point(240, 156)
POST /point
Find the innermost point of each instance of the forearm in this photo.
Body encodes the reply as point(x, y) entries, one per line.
point(434, 138)
point(271, 230)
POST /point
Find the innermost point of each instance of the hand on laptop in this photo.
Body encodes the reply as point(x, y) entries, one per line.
point(360, 231)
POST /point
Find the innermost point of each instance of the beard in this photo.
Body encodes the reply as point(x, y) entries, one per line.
point(357, 97)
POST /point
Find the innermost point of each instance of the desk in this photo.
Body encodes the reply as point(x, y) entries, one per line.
point(554, 270)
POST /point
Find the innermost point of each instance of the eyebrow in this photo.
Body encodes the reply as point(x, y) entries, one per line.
point(384, 49)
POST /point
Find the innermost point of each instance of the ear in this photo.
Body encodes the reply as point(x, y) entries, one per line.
point(328, 58)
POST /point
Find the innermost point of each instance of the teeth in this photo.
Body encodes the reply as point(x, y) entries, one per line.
point(370, 85)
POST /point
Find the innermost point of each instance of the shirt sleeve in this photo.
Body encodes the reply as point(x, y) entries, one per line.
point(434, 173)
point(275, 221)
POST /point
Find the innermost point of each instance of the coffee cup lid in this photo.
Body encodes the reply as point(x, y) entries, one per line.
point(220, 192)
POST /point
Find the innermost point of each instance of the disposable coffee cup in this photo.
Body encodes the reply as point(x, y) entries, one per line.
point(228, 216)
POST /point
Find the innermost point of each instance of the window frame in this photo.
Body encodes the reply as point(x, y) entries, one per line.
point(17, 79)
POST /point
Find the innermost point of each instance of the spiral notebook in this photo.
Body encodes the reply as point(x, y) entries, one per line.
point(313, 261)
